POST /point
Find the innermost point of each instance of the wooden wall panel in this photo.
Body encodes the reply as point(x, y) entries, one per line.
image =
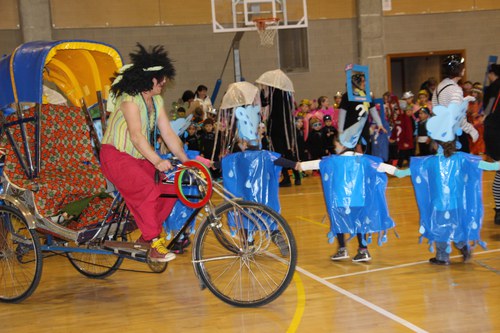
point(182, 12)
point(331, 9)
point(109, 13)
point(412, 7)
point(487, 4)
point(9, 15)
point(130, 13)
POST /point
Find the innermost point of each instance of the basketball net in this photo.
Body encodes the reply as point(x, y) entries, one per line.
point(266, 35)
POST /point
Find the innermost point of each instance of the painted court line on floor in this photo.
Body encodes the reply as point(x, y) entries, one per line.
point(388, 187)
point(362, 301)
point(399, 266)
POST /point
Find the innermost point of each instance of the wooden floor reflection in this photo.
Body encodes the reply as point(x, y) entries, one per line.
point(398, 291)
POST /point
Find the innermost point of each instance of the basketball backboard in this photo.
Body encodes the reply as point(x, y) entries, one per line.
point(238, 15)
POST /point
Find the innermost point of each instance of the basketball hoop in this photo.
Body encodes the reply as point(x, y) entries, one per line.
point(266, 35)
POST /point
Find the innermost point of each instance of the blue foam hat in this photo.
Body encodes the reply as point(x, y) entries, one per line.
point(248, 122)
point(445, 124)
point(181, 124)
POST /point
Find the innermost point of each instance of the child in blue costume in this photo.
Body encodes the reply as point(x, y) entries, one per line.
point(448, 187)
point(253, 174)
point(181, 212)
point(354, 190)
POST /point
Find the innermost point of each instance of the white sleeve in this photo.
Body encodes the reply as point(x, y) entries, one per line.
point(310, 165)
point(469, 129)
point(387, 168)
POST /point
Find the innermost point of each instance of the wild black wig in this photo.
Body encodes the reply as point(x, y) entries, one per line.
point(139, 77)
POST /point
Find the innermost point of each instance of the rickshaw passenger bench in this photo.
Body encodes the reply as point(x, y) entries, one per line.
point(69, 171)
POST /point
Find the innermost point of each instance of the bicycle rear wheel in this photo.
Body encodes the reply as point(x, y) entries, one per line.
point(20, 257)
point(91, 259)
point(90, 262)
point(246, 256)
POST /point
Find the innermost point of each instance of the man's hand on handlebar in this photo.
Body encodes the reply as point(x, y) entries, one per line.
point(164, 165)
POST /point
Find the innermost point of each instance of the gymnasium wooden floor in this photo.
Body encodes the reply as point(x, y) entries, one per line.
point(398, 291)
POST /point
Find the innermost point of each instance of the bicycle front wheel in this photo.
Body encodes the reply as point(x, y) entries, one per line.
point(20, 257)
point(246, 255)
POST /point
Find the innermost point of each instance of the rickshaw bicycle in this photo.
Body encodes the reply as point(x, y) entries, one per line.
point(243, 252)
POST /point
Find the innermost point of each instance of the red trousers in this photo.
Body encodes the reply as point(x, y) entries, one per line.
point(134, 178)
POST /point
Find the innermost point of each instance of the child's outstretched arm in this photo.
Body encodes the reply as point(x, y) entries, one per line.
point(310, 165)
point(489, 166)
point(392, 170)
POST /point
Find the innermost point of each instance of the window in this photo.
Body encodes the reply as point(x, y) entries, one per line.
point(293, 50)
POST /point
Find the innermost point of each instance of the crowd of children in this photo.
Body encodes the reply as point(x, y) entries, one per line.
point(322, 128)
point(317, 124)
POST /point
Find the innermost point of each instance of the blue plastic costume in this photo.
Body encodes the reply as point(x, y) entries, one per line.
point(354, 194)
point(180, 212)
point(449, 197)
point(448, 190)
point(251, 175)
point(354, 190)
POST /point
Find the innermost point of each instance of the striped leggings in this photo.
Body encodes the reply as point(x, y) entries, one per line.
point(496, 190)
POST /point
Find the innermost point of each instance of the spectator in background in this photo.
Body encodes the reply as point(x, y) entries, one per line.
point(448, 91)
point(429, 86)
point(192, 140)
point(476, 118)
point(336, 99)
point(467, 88)
point(423, 140)
point(202, 98)
point(492, 128)
point(423, 100)
point(188, 103)
point(406, 101)
point(329, 135)
point(324, 106)
point(314, 143)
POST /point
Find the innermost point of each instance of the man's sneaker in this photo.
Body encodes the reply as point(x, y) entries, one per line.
point(341, 254)
point(466, 253)
point(436, 261)
point(159, 252)
point(280, 242)
point(362, 255)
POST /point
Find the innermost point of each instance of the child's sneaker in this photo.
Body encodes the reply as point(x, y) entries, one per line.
point(466, 253)
point(341, 254)
point(436, 261)
point(159, 252)
point(185, 242)
point(362, 255)
point(177, 248)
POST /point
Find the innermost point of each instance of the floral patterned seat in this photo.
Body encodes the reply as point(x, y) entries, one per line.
point(69, 170)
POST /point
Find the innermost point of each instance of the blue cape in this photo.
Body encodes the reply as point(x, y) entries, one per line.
point(180, 212)
point(354, 193)
point(449, 196)
point(252, 175)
